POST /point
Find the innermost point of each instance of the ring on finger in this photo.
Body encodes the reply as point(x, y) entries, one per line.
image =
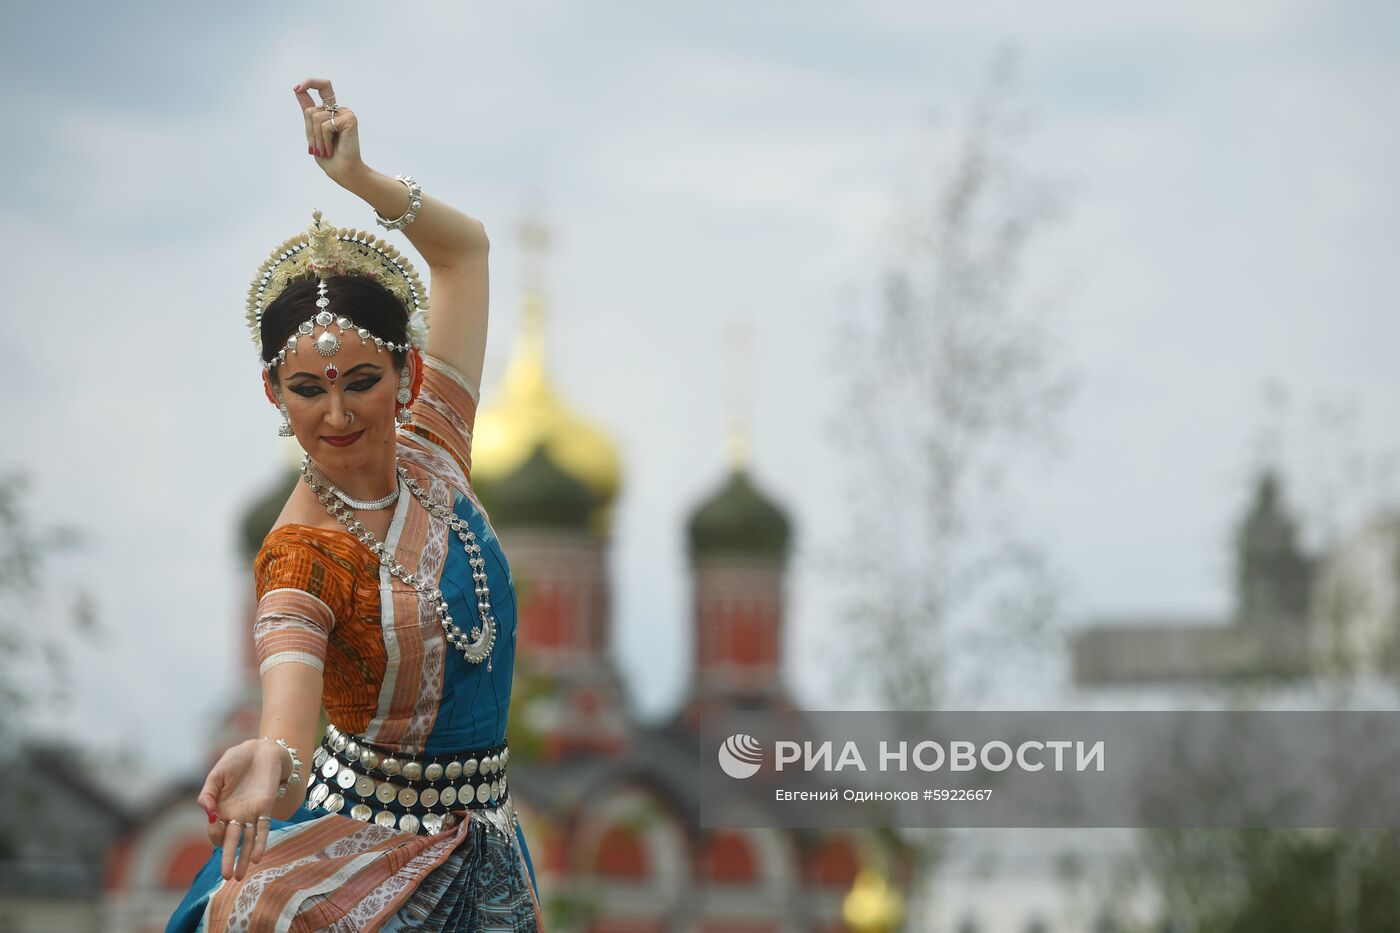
point(333, 129)
point(268, 818)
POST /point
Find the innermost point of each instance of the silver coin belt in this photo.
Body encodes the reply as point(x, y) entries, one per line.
point(414, 795)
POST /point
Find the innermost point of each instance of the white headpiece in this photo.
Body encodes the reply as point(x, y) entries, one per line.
point(325, 251)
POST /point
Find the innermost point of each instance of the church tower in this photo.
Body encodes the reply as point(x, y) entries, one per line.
point(738, 561)
point(1273, 575)
point(738, 541)
point(548, 479)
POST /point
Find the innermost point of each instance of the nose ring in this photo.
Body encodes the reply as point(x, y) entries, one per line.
point(349, 417)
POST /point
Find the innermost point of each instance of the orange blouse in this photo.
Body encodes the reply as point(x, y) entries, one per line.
point(310, 582)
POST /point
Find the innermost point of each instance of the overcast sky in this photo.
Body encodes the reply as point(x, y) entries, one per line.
point(1232, 224)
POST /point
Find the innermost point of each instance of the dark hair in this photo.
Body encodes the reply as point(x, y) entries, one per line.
point(363, 300)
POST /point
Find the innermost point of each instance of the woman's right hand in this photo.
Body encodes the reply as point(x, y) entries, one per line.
point(240, 789)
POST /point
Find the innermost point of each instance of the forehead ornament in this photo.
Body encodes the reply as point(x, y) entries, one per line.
point(328, 342)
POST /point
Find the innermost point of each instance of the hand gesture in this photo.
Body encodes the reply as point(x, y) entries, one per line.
point(238, 796)
point(332, 131)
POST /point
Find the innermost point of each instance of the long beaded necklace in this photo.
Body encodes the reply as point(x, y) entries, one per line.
point(477, 645)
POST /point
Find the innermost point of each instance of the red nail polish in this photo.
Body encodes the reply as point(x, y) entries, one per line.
point(213, 817)
point(309, 151)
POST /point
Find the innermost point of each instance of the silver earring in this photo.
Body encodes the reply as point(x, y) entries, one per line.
point(404, 415)
point(285, 428)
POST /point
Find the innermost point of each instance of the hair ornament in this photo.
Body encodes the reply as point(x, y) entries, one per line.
point(325, 251)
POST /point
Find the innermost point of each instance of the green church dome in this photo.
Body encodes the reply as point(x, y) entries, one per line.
point(739, 518)
point(538, 493)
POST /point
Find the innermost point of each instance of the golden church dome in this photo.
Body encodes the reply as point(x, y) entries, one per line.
point(526, 412)
point(872, 905)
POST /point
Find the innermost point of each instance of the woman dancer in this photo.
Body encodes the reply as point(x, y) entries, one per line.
point(383, 593)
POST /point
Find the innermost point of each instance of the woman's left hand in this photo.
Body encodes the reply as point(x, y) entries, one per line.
point(337, 151)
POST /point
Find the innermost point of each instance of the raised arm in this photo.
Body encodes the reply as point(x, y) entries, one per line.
point(453, 245)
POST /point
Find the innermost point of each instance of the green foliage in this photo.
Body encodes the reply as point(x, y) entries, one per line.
point(33, 657)
point(570, 911)
point(1276, 880)
point(529, 687)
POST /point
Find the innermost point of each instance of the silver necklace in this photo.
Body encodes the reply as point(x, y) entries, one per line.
point(475, 646)
point(364, 505)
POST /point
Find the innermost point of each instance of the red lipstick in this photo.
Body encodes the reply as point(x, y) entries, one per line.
point(344, 441)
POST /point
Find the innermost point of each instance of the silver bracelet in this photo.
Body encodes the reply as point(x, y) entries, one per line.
point(415, 204)
point(295, 776)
